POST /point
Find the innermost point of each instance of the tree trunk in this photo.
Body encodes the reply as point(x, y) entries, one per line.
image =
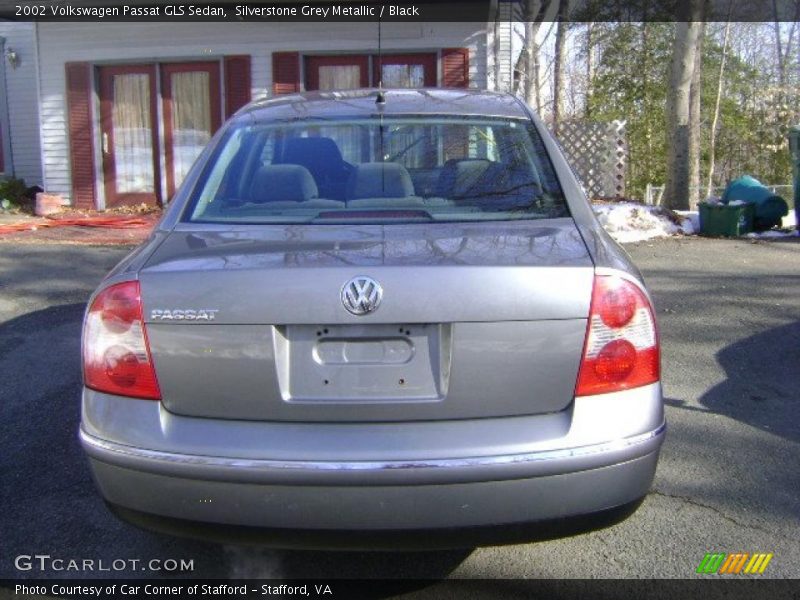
point(587, 108)
point(676, 193)
point(535, 79)
point(783, 53)
point(527, 66)
point(694, 120)
point(712, 145)
point(558, 63)
point(496, 49)
point(531, 82)
point(649, 155)
point(519, 66)
point(779, 48)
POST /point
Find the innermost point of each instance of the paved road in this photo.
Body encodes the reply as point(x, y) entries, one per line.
point(728, 479)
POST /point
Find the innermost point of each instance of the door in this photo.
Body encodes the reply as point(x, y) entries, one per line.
point(404, 70)
point(191, 96)
point(129, 134)
point(337, 72)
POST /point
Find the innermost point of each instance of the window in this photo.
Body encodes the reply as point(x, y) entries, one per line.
point(351, 71)
point(345, 72)
point(403, 76)
point(432, 168)
point(404, 70)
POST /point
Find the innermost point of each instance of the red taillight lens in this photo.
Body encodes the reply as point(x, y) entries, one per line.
point(617, 306)
point(116, 355)
point(621, 348)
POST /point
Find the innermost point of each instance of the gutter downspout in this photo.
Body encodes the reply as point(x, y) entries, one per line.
point(5, 116)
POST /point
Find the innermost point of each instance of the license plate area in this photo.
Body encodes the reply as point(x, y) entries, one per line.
point(363, 363)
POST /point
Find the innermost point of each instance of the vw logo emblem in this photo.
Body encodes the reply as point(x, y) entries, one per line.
point(361, 295)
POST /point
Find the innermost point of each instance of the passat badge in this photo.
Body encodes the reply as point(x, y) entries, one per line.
point(202, 314)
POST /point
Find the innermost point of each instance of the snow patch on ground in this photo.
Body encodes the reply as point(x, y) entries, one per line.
point(772, 233)
point(693, 218)
point(631, 222)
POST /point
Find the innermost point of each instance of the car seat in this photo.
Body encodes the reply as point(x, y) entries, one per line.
point(323, 159)
point(381, 180)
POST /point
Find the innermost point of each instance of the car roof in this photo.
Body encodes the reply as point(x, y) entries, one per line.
point(361, 102)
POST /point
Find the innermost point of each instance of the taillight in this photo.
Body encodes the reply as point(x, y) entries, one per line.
point(621, 350)
point(116, 354)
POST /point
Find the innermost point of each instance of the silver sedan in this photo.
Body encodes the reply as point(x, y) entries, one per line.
point(368, 315)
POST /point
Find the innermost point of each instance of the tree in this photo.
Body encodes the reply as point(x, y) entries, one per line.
point(712, 145)
point(630, 84)
point(589, 49)
point(695, 122)
point(744, 93)
point(679, 101)
point(558, 63)
point(527, 67)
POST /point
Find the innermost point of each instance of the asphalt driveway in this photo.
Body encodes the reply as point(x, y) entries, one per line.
point(728, 479)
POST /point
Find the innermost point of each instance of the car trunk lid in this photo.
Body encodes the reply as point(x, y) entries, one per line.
point(476, 320)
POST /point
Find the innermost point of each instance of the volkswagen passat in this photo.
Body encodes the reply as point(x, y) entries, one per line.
point(373, 314)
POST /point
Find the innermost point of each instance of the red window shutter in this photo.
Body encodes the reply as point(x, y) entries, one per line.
point(79, 127)
point(455, 67)
point(285, 73)
point(237, 83)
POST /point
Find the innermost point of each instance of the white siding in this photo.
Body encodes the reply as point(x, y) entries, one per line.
point(499, 44)
point(21, 94)
point(60, 43)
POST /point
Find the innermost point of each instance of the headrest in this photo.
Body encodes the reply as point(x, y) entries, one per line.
point(274, 183)
point(379, 180)
point(319, 154)
point(459, 176)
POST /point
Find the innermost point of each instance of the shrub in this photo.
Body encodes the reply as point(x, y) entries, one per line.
point(16, 192)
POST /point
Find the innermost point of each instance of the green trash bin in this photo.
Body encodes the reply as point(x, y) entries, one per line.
point(768, 208)
point(794, 147)
point(726, 220)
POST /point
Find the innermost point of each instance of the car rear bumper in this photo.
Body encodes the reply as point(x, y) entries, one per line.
point(378, 507)
point(453, 488)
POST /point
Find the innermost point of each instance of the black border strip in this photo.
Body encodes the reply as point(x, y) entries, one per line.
point(310, 11)
point(711, 588)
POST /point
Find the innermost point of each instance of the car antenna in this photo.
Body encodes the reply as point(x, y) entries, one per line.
point(380, 102)
point(380, 99)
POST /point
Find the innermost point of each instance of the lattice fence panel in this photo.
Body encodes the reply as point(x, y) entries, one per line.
point(598, 153)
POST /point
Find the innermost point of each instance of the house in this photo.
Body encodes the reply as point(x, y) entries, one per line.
point(113, 113)
point(20, 149)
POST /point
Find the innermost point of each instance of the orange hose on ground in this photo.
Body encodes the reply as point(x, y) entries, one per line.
point(106, 222)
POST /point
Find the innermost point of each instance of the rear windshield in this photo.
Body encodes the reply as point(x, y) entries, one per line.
point(378, 169)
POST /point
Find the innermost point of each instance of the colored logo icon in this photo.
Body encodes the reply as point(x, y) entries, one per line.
point(734, 564)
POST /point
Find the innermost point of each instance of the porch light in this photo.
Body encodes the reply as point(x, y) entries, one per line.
point(12, 57)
